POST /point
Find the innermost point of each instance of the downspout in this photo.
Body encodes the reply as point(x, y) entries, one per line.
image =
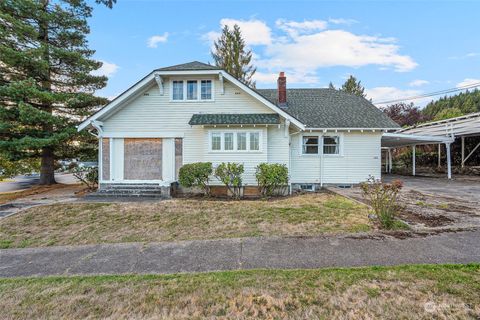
point(290, 158)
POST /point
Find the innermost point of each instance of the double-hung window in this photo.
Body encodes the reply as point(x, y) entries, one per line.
point(331, 144)
point(177, 90)
point(235, 141)
point(192, 90)
point(310, 145)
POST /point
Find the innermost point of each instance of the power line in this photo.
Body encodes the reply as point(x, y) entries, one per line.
point(432, 94)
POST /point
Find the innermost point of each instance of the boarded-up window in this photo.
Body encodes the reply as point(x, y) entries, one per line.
point(105, 159)
point(178, 156)
point(143, 159)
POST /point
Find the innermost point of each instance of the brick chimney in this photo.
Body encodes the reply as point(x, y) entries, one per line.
point(282, 90)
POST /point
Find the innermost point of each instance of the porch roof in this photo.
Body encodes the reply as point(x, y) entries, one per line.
point(395, 140)
point(233, 118)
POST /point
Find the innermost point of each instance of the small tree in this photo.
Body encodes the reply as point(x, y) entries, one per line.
point(271, 177)
point(354, 87)
point(88, 176)
point(383, 199)
point(196, 175)
point(230, 174)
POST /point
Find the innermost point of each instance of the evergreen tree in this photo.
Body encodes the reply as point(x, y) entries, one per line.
point(231, 55)
point(46, 85)
point(331, 86)
point(354, 87)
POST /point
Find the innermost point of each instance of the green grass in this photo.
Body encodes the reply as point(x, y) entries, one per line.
point(403, 292)
point(182, 219)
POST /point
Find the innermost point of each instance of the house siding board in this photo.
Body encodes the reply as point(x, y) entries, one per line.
point(277, 146)
point(361, 158)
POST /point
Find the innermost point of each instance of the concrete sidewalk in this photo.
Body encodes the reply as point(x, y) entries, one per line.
point(235, 254)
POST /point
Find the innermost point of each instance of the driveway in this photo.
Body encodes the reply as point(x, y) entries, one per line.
point(433, 203)
point(28, 181)
point(238, 254)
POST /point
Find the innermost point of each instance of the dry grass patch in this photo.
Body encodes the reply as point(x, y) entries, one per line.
point(407, 292)
point(182, 219)
point(14, 195)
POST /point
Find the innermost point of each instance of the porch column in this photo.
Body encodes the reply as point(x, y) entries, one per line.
point(386, 162)
point(439, 155)
point(463, 152)
point(449, 161)
point(390, 162)
point(413, 159)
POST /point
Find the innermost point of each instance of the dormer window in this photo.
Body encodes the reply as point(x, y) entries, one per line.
point(192, 90)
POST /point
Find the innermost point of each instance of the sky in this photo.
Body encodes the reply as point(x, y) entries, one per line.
point(396, 49)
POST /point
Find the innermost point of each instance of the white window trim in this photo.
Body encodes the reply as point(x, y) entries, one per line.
point(320, 144)
point(235, 145)
point(199, 89)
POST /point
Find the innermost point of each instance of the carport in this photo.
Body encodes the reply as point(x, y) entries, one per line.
point(398, 140)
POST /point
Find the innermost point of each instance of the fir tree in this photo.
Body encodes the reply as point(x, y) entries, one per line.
point(354, 87)
point(231, 55)
point(46, 81)
point(331, 86)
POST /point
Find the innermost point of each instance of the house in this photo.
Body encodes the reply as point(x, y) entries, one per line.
point(197, 112)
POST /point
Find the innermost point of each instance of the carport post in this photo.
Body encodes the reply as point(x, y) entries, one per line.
point(439, 155)
point(389, 160)
point(463, 152)
point(449, 161)
point(413, 159)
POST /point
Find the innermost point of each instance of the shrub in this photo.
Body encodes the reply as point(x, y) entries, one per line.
point(87, 175)
point(271, 177)
point(230, 174)
point(383, 199)
point(196, 175)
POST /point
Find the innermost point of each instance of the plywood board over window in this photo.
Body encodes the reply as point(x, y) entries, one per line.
point(105, 159)
point(143, 159)
point(178, 156)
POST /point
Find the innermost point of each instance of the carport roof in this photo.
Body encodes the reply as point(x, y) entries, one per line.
point(396, 140)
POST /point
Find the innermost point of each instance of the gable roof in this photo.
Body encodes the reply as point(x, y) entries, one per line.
point(234, 118)
point(329, 108)
point(190, 66)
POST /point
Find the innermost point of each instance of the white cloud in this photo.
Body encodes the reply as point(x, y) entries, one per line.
point(107, 69)
point(465, 56)
point(255, 32)
point(380, 94)
point(300, 48)
point(342, 21)
point(292, 77)
point(468, 82)
point(153, 41)
point(295, 28)
point(337, 48)
point(418, 83)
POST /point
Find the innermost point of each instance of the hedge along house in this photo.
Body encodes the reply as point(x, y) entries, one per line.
point(196, 112)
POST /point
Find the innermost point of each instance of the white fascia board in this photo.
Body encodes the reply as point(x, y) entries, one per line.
point(350, 129)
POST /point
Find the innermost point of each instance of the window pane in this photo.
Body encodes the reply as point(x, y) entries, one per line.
point(206, 90)
point(216, 141)
point(330, 145)
point(192, 90)
point(242, 141)
point(177, 90)
point(310, 145)
point(228, 141)
point(254, 141)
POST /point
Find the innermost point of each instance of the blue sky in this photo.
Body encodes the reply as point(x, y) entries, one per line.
point(396, 49)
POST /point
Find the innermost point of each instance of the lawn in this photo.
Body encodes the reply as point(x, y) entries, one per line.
point(182, 219)
point(14, 195)
point(405, 292)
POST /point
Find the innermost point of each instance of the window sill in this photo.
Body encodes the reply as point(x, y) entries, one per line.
point(236, 152)
point(192, 101)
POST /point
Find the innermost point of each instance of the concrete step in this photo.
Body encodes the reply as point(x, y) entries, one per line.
point(97, 195)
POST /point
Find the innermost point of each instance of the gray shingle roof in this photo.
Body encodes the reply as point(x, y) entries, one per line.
point(190, 66)
point(223, 118)
point(328, 108)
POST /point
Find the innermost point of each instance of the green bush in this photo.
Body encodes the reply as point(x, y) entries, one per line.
point(271, 177)
point(87, 175)
point(383, 199)
point(230, 174)
point(196, 175)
